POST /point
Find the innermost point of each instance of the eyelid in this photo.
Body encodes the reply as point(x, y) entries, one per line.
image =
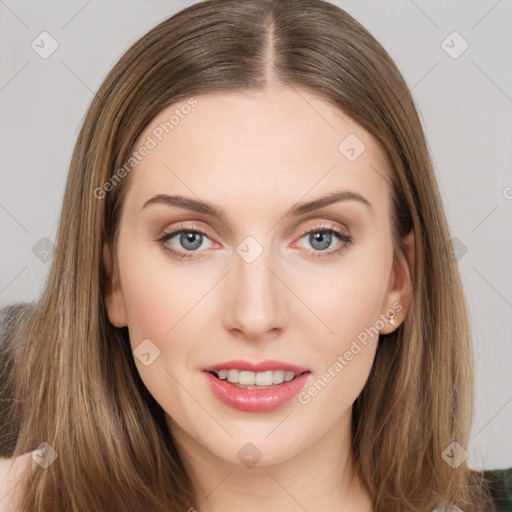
point(187, 226)
point(323, 224)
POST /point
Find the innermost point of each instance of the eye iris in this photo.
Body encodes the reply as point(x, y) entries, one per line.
point(320, 236)
point(191, 237)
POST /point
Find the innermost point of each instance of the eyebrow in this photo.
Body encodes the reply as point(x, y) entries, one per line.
point(295, 210)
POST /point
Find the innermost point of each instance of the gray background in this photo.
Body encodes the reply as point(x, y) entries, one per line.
point(465, 104)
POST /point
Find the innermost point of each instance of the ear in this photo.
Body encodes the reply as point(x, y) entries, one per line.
point(398, 295)
point(114, 300)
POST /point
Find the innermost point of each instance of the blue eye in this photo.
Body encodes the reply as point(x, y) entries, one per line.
point(320, 238)
point(189, 239)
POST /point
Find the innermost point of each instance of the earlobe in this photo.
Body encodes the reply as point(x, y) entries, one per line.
point(398, 296)
point(114, 300)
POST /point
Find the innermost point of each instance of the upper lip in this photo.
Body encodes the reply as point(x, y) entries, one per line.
point(261, 366)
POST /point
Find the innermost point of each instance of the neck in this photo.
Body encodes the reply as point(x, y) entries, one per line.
point(320, 477)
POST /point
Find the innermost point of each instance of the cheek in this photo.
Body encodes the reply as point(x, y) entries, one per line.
point(163, 303)
point(346, 297)
point(157, 294)
point(343, 358)
point(343, 349)
point(160, 308)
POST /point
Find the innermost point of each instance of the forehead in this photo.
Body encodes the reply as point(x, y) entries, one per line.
point(242, 148)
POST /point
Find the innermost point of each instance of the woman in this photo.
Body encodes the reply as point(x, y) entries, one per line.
point(253, 301)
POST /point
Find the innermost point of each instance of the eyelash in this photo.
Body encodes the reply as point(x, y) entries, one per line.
point(322, 228)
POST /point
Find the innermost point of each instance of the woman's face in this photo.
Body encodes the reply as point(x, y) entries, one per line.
point(253, 285)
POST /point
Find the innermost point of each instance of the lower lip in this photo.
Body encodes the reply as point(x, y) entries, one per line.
point(256, 400)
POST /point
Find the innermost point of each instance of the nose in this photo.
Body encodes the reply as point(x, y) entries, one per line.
point(256, 299)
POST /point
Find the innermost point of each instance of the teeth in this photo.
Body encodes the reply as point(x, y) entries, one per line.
point(246, 378)
point(288, 376)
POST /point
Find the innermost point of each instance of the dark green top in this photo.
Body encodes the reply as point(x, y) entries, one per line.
point(500, 486)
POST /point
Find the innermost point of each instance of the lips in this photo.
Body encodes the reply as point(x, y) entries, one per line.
point(247, 398)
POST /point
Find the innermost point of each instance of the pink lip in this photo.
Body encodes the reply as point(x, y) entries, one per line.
point(256, 400)
point(262, 366)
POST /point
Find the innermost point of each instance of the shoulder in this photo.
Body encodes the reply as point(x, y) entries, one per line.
point(12, 473)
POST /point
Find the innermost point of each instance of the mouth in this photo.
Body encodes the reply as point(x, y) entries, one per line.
point(244, 379)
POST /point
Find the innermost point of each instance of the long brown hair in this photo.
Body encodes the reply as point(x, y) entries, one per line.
point(75, 383)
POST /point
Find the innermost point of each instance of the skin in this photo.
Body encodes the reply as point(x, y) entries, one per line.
point(256, 154)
